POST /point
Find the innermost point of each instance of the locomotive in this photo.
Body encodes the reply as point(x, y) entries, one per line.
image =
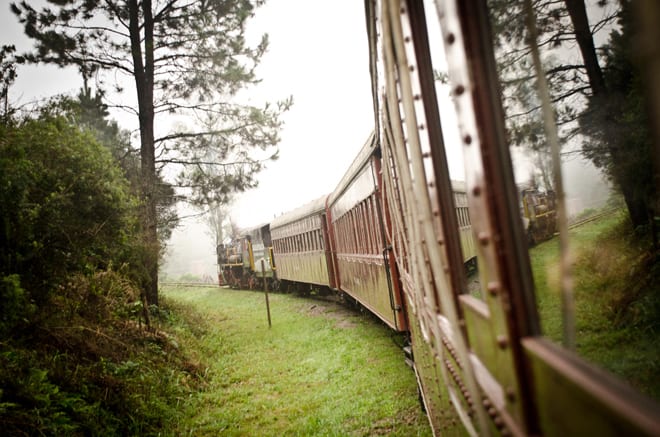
point(404, 240)
point(248, 261)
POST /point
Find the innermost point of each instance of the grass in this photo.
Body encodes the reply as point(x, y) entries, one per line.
point(617, 299)
point(320, 370)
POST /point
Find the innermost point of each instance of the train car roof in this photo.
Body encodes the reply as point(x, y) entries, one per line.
point(308, 209)
point(353, 171)
point(251, 229)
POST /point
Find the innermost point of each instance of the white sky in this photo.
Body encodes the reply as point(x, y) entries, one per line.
point(318, 54)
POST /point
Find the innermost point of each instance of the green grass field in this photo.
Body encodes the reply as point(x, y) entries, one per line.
point(320, 370)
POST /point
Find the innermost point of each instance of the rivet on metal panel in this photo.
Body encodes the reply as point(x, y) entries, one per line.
point(422, 126)
point(411, 67)
point(417, 97)
point(460, 89)
point(502, 341)
point(467, 139)
point(451, 38)
point(440, 241)
point(476, 191)
point(484, 238)
point(436, 212)
point(511, 394)
point(406, 39)
point(403, 10)
point(493, 288)
point(426, 155)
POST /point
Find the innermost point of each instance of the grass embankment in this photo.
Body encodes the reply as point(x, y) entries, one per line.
point(617, 299)
point(86, 365)
point(320, 369)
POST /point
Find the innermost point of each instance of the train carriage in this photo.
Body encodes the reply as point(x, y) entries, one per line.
point(484, 355)
point(300, 246)
point(397, 233)
point(363, 264)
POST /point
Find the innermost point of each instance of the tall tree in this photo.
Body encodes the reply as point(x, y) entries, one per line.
point(587, 98)
point(616, 124)
point(216, 219)
point(7, 77)
point(186, 58)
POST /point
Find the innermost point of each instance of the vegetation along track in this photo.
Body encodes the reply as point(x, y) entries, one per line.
point(321, 369)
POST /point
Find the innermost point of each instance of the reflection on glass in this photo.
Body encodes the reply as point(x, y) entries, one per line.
point(597, 95)
point(453, 150)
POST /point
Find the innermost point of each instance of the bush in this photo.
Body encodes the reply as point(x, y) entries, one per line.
point(75, 357)
point(66, 206)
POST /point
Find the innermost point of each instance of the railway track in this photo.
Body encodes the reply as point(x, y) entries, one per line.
point(188, 284)
point(592, 218)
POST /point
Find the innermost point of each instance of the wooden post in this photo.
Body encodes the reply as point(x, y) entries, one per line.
point(263, 275)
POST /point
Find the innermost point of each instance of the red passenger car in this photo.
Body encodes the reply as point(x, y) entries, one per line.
point(363, 264)
point(300, 247)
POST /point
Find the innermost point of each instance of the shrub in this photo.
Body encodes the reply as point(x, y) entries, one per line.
point(66, 205)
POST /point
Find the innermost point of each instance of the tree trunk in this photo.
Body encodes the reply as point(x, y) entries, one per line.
point(143, 73)
point(585, 40)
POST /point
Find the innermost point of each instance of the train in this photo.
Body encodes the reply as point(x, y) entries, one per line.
point(446, 262)
point(248, 261)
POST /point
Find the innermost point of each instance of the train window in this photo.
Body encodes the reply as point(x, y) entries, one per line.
point(356, 232)
point(373, 224)
point(360, 228)
point(349, 233)
point(370, 225)
point(581, 148)
point(353, 233)
point(364, 242)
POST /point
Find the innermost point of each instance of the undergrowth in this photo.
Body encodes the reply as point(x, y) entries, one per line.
point(617, 298)
point(87, 365)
